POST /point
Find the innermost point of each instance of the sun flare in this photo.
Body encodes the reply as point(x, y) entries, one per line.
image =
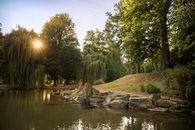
point(38, 44)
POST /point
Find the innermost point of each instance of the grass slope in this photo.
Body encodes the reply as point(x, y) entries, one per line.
point(131, 83)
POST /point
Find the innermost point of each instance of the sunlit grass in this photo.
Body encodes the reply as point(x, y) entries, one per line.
point(131, 83)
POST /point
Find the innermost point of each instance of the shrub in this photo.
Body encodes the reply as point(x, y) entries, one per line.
point(149, 88)
point(142, 88)
point(179, 81)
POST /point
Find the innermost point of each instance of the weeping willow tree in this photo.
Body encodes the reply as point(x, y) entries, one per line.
point(21, 63)
point(94, 67)
point(94, 54)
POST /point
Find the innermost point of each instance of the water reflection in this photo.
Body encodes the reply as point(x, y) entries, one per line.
point(39, 110)
point(147, 126)
point(80, 125)
point(126, 123)
point(46, 95)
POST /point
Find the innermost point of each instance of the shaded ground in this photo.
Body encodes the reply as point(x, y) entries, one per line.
point(131, 83)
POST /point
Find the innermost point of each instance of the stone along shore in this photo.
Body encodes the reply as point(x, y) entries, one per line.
point(89, 97)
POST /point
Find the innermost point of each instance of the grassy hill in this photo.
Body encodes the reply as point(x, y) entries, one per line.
point(131, 83)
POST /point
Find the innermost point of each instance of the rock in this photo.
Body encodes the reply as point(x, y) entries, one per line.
point(108, 99)
point(140, 103)
point(118, 104)
point(179, 101)
point(177, 110)
point(85, 103)
point(158, 109)
point(75, 96)
point(85, 96)
point(95, 91)
point(66, 98)
point(97, 102)
point(175, 107)
point(62, 93)
point(164, 98)
point(184, 106)
point(66, 92)
point(87, 90)
point(98, 96)
point(55, 92)
point(154, 97)
point(164, 103)
point(122, 97)
point(115, 101)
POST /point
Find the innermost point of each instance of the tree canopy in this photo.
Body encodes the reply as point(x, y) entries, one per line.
point(20, 61)
point(62, 43)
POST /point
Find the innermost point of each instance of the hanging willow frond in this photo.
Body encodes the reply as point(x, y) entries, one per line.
point(21, 65)
point(95, 67)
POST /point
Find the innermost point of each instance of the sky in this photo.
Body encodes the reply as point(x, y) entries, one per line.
point(32, 14)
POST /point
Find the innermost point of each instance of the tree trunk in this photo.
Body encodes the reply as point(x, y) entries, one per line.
point(84, 75)
point(164, 35)
point(138, 67)
point(55, 83)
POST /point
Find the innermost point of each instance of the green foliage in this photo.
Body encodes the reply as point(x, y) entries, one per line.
point(113, 39)
point(149, 88)
point(20, 58)
point(106, 45)
point(150, 27)
point(62, 56)
point(94, 67)
point(70, 60)
point(37, 77)
point(94, 59)
point(183, 34)
point(141, 34)
point(59, 31)
point(142, 88)
point(180, 81)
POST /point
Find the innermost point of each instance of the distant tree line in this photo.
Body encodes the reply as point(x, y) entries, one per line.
point(140, 36)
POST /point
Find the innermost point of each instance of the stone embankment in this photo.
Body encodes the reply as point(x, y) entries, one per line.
point(89, 97)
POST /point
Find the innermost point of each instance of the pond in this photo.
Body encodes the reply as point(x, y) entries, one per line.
point(38, 110)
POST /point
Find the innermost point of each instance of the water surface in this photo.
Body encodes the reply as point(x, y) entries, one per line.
point(38, 110)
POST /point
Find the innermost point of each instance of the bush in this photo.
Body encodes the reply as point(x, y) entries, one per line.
point(149, 88)
point(142, 88)
point(179, 81)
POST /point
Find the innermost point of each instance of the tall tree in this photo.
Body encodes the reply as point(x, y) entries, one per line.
point(20, 59)
point(162, 8)
point(70, 60)
point(139, 25)
point(182, 35)
point(113, 40)
point(94, 60)
point(58, 33)
point(145, 24)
